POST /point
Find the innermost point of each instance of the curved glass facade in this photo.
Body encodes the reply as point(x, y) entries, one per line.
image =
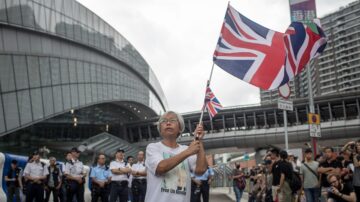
point(57, 55)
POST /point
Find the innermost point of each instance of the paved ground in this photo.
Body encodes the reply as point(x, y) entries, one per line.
point(225, 194)
point(219, 197)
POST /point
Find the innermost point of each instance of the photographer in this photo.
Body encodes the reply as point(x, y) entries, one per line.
point(339, 192)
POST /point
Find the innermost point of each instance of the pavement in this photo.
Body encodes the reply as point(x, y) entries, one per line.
point(225, 194)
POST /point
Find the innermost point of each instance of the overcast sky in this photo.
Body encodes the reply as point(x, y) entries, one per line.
point(178, 38)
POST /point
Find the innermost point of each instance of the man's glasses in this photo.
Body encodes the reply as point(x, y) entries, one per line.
point(168, 121)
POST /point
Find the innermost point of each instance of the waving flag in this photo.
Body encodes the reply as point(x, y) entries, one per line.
point(258, 55)
point(302, 43)
point(211, 103)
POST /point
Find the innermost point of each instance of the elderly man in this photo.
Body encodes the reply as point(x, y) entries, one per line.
point(169, 164)
point(53, 181)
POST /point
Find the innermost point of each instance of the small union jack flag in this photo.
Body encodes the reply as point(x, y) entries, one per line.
point(211, 103)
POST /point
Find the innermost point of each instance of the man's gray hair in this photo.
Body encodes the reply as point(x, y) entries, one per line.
point(179, 118)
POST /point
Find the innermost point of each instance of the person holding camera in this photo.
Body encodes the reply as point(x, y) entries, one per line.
point(339, 192)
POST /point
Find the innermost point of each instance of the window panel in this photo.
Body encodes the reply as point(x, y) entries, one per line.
point(21, 77)
point(23, 42)
point(36, 102)
point(13, 11)
point(87, 75)
point(64, 69)
point(100, 91)
point(3, 16)
point(40, 17)
point(58, 105)
point(94, 92)
point(10, 41)
point(60, 24)
point(85, 34)
point(77, 31)
point(69, 27)
point(24, 107)
point(48, 101)
point(110, 91)
point(55, 71)
point(35, 44)
point(74, 95)
point(99, 74)
point(80, 71)
point(34, 73)
point(46, 45)
point(72, 71)
point(93, 73)
point(45, 71)
point(27, 13)
point(7, 73)
point(82, 94)
point(88, 93)
point(2, 118)
point(105, 92)
point(11, 111)
point(66, 97)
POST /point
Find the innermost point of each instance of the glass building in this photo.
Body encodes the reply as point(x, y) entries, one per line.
point(65, 72)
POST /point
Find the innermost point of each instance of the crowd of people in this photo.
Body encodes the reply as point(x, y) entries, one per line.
point(171, 172)
point(328, 177)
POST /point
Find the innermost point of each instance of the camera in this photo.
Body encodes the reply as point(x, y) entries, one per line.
point(330, 190)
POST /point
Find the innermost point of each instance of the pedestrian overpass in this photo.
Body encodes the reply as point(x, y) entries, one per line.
point(256, 126)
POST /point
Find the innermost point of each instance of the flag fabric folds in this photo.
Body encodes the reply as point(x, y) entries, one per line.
point(263, 57)
point(211, 103)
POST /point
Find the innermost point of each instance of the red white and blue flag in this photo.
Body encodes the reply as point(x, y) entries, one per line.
point(211, 103)
point(259, 56)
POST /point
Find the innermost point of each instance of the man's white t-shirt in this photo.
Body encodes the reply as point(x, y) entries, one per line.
point(175, 185)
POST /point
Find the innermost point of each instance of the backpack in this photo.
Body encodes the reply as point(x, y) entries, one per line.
point(241, 183)
point(295, 182)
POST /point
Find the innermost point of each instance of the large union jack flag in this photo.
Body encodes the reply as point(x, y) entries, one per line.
point(211, 103)
point(258, 55)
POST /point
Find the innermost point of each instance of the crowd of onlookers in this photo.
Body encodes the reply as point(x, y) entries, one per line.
point(331, 176)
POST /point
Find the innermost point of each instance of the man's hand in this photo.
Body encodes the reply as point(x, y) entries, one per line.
point(199, 132)
point(194, 147)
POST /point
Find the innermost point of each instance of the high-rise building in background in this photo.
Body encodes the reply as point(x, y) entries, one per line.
point(338, 68)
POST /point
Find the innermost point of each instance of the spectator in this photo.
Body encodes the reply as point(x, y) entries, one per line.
point(237, 175)
point(75, 176)
point(310, 177)
point(119, 180)
point(13, 182)
point(356, 176)
point(329, 166)
point(276, 173)
point(284, 191)
point(339, 192)
point(53, 181)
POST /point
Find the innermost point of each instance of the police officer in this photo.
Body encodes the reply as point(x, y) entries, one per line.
point(100, 179)
point(139, 178)
point(53, 181)
point(74, 172)
point(119, 177)
point(13, 182)
point(35, 174)
point(64, 185)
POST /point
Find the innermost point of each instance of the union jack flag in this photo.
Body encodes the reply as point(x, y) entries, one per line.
point(256, 54)
point(211, 103)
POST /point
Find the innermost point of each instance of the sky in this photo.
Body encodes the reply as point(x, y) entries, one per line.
point(178, 38)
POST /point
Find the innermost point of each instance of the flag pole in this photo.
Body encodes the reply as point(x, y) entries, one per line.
point(207, 84)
